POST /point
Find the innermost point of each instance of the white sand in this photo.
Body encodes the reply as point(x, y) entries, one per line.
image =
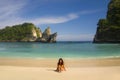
point(43, 69)
point(43, 73)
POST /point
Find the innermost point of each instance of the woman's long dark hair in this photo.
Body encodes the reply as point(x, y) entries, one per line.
point(60, 63)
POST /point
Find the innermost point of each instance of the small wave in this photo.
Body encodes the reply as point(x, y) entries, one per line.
point(1, 49)
point(39, 58)
point(112, 57)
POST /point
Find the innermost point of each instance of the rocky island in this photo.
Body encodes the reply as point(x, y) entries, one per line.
point(108, 30)
point(26, 32)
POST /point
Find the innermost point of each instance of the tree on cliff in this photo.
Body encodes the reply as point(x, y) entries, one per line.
point(26, 32)
point(108, 29)
point(17, 32)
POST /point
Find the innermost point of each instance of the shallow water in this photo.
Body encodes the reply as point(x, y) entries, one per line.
point(59, 49)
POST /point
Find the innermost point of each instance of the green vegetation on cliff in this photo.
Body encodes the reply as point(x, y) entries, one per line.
point(109, 29)
point(26, 32)
point(113, 14)
point(21, 32)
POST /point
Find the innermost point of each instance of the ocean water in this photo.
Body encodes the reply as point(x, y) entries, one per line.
point(60, 49)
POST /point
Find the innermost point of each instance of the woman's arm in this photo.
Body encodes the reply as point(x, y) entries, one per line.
point(58, 68)
point(64, 68)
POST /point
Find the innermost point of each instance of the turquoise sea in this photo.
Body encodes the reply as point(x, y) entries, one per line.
point(60, 49)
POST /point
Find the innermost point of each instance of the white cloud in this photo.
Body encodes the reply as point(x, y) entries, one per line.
point(88, 12)
point(40, 20)
point(75, 37)
point(9, 11)
point(54, 20)
point(10, 14)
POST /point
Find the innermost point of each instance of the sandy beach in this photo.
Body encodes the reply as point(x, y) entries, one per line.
point(43, 69)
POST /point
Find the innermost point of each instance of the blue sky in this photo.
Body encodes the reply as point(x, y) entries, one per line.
point(74, 20)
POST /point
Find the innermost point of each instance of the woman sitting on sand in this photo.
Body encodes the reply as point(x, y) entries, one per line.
point(60, 65)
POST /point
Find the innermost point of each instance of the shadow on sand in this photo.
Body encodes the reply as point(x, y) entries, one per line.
point(52, 70)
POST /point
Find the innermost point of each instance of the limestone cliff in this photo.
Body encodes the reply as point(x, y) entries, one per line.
point(108, 30)
point(26, 32)
point(46, 33)
point(47, 36)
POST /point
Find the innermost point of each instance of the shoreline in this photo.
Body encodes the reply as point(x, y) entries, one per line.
point(52, 62)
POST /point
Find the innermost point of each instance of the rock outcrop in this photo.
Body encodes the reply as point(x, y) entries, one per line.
point(47, 36)
point(108, 30)
point(26, 32)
